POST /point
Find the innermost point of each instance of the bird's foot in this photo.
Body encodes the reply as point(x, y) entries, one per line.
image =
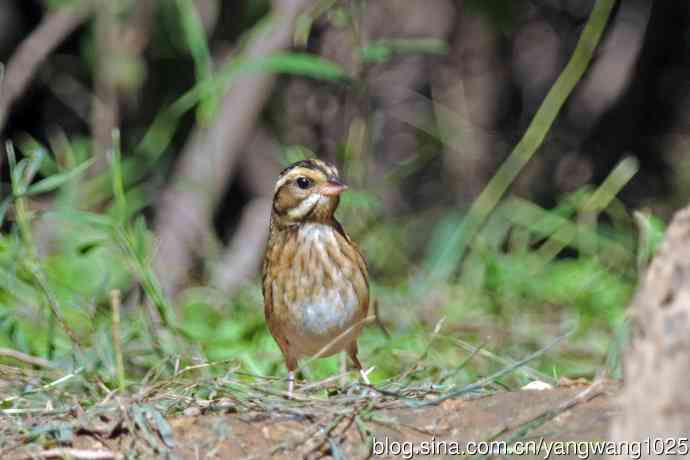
point(365, 374)
point(368, 392)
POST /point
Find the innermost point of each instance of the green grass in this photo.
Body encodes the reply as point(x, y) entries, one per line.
point(539, 295)
point(516, 291)
point(475, 301)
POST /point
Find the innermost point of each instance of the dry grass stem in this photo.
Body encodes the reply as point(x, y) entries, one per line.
point(25, 358)
point(115, 302)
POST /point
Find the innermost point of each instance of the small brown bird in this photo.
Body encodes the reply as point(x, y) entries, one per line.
point(315, 280)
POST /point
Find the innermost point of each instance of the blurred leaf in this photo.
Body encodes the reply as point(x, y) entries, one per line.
point(163, 428)
point(195, 36)
point(160, 133)
point(536, 132)
point(612, 185)
point(614, 356)
point(104, 222)
point(560, 230)
point(36, 157)
point(11, 158)
point(4, 206)
point(361, 199)
point(377, 52)
point(89, 246)
point(21, 290)
point(51, 183)
point(651, 233)
point(383, 50)
point(142, 238)
point(28, 145)
point(17, 177)
point(229, 331)
point(62, 3)
point(443, 238)
point(292, 63)
point(594, 204)
point(295, 153)
point(501, 13)
point(157, 137)
point(197, 330)
point(303, 64)
point(118, 179)
point(140, 414)
point(305, 21)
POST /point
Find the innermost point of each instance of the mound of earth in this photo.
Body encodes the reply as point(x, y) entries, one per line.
point(380, 425)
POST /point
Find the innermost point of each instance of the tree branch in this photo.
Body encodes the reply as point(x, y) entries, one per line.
point(210, 157)
point(21, 67)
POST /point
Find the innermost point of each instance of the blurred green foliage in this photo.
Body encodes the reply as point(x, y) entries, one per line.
point(524, 276)
point(511, 296)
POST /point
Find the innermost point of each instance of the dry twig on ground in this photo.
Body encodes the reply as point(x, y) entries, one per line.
point(23, 357)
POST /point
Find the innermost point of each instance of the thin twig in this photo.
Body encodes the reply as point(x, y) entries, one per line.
point(481, 383)
point(203, 366)
point(34, 411)
point(47, 386)
point(77, 454)
point(117, 338)
point(589, 393)
point(326, 348)
point(39, 276)
point(28, 359)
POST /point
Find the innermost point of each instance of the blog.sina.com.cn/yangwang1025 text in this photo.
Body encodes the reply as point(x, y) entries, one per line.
point(545, 449)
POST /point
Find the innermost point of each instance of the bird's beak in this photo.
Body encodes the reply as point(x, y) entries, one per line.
point(332, 188)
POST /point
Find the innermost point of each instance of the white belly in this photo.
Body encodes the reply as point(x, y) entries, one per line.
point(331, 310)
point(327, 305)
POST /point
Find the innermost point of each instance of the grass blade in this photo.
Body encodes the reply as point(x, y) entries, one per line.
point(530, 142)
point(57, 180)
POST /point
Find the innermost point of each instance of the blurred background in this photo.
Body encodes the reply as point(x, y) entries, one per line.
point(141, 140)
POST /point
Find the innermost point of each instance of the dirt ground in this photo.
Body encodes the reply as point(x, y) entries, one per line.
point(572, 413)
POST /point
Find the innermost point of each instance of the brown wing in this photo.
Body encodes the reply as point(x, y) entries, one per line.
point(361, 261)
point(266, 282)
point(356, 255)
point(266, 287)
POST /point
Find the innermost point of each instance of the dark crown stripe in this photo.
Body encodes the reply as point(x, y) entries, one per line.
point(314, 165)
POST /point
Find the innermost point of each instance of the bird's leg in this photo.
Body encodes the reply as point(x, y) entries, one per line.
point(291, 383)
point(364, 373)
point(343, 370)
point(291, 364)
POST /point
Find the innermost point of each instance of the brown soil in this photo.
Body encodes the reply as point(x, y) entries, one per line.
point(562, 414)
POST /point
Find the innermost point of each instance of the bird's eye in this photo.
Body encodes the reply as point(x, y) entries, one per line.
point(303, 182)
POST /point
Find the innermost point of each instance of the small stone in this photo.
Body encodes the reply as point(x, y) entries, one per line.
point(538, 385)
point(192, 411)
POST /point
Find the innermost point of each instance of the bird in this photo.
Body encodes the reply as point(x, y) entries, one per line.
point(315, 281)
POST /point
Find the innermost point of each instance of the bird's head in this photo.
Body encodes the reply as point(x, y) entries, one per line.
point(307, 191)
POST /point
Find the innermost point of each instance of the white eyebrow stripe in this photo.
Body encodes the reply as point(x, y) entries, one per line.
point(281, 182)
point(292, 174)
point(328, 170)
